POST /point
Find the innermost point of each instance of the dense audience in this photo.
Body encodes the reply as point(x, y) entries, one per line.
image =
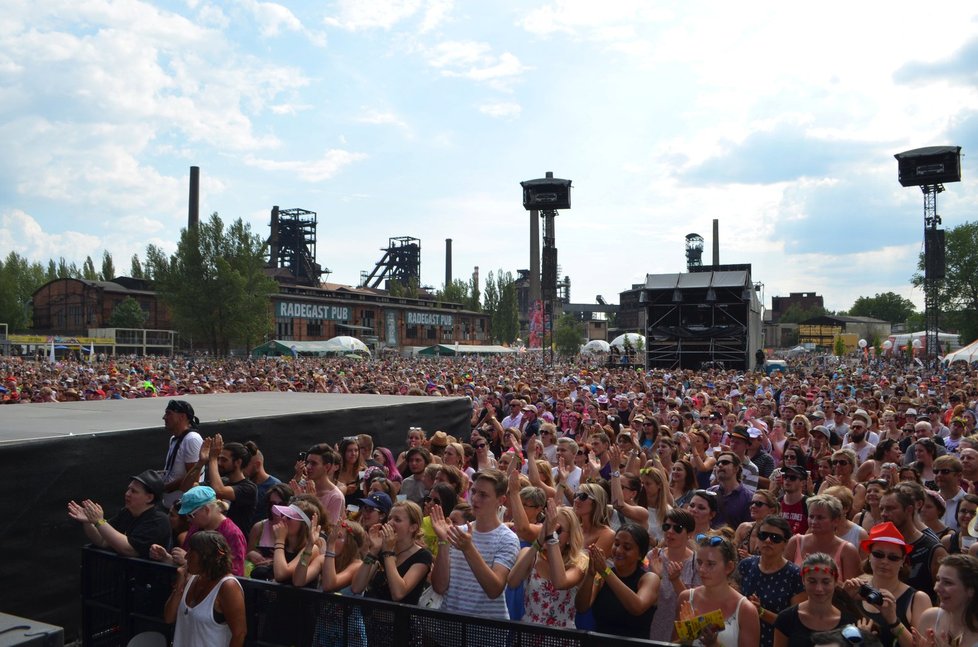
point(831, 502)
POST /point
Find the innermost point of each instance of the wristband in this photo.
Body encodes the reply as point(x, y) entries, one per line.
point(369, 559)
point(100, 522)
point(616, 474)
point(329, 553)
point(277, 546)
point(605, 573)
point(898, 631)
point(384, 554)
point(442, 542)
point(537, 546)
point(551, 541)
point(893, 626)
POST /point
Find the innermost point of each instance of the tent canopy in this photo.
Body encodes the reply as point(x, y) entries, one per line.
point(596, 346)
point(279, 347)
point(633, 339)
point(968, 354)
point(451, 350)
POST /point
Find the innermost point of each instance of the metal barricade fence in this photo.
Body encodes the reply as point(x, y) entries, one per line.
point(122, 597)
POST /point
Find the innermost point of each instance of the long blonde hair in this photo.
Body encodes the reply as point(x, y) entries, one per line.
point(661, 504)
point(573, 553)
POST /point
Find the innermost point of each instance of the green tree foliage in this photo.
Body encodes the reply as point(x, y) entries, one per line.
point(215, 285)
point(568, 336)
point(797, 314)
point(136, 268)
point(887, 306)
point(128, 314)
point(68, 270)
point(410, 291)
point(463, 292)
point(19, 279)
point(502, 307)
point(52, 271)
point(958, 291)
point(108, 267)
point(839, 346)
point(88, 270)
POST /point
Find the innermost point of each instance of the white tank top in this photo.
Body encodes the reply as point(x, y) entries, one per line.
point(196, 626)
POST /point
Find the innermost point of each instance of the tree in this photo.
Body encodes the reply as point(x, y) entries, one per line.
point(958, 291)
point(19, 279)
point(108, 267)
point(887, 306)
point(135, 267)
point(88, 270)
point(797, 314)
point(128, 314)
point(839, 346)
point(456, 292)
point(215, 285)
point(569, 335)
point(502, 307)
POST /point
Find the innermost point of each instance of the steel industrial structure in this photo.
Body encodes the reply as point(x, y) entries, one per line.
point(401, 264)
point(292, 245)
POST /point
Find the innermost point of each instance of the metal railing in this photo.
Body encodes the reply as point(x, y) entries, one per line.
point(122, 597)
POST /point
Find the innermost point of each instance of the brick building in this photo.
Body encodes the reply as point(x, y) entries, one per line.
point(74, 306)
point(806, 301)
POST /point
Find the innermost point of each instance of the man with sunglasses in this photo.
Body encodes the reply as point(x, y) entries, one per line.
point(733, 504)
point(859, 438)
point(947, 475)
point(794, 506)
point(899, 507)
point(181, 457)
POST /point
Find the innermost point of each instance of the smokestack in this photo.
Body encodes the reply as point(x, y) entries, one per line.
point(716, 243)
point(448, 262)
point(193, 212)
point(475, 280)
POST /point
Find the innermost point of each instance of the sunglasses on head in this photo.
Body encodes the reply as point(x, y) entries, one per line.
point(773, 537)
point(707, 540)
point(878, 554)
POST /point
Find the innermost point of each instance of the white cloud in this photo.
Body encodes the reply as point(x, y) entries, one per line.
point(21, 233)
point(475, 60)
point(274, 18)
point(379, 118)
point(355, 15)
point(501, 110)
point(325, 168)
point(289, 108)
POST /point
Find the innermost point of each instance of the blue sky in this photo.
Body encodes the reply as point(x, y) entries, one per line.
point(420, 118)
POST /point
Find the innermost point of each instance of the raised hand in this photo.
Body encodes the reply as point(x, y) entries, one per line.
point(460, 539)
point(280, 530)
point(376, 537)
point(205, 449)
point(387, 533)
point(513, 478)
point(217, 446)
point(439, 523)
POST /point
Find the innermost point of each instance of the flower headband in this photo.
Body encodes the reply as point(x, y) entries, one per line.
point(818, 568)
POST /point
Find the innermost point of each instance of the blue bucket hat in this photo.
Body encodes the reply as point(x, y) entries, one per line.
point(196, 497)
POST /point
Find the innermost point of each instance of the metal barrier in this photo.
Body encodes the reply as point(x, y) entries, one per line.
point(122, 597)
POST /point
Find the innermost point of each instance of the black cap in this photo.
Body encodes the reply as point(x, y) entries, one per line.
point(181, 406)
point(153, 483)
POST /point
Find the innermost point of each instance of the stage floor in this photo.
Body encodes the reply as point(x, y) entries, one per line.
point(27, 422)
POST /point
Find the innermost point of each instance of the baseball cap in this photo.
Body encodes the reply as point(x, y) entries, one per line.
point(378, 500)
point(291, 512)
point(153, 483)
point(195, 498)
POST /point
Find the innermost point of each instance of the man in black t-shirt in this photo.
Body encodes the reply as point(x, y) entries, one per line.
point(224, 474)
point(139, 525)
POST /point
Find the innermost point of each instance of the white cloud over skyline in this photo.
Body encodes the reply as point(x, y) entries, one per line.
point(420, 118)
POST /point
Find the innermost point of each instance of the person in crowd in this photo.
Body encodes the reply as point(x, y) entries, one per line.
point(314, 475)
point(628, 498)
point(140, 524)
point(201, 507)
point(621, 597)
point(702, 458)
point(763, 504)
point(374, 509)
point(416, 438)
point(351, 465)
point(682, 482)
point(591, 507)
point(846, 637)
point(947, 478)
point(769, 581)
point(899, 507)
point(955, 620)
point(261, 539)
point(383, 457)
point(184, 449)
point(870, 514)
point(703, 507)
point(733, 497)
point(225, 466)
point(255, 472)
point(413, 487)
point(207, 602)
point(656, 490)
point(290, 529)
point(848, 530)
point(843, 466)
point(474, 560)
point(441, 495)
point(898, 607)
point(551, 569)
point(825, 513)
point(716, 560)
point(396, 566)
point(340, 553)
point(825, 609)
point(793, 503)
point(674, 562)
point(961, 541)
point(932, 514)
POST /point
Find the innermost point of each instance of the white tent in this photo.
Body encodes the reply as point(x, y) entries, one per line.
point(945, 338)
point(596, 346)
point(968, 354)
point(633, 338)
point(345, 344)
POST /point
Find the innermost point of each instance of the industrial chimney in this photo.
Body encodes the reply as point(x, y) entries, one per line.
point(448, 262)
point(475, 280)
point(193, 211)
point(716, 243)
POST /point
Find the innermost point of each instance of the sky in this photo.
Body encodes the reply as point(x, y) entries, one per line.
point(419, 118)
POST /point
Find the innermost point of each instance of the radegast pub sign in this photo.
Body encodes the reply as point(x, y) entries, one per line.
point(429, 319)
point(295, 310)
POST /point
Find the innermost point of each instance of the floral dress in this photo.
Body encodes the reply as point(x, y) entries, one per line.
point(544, 604)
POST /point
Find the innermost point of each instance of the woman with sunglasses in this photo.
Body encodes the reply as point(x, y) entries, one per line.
point(682, 482)
point(675, 565)
point(621, 597)
point(716, 560)
point(899, 607)
point(656, 490)
point(550, 569)
point(762, 505)
point(395, 566)
point(482, 458)
point(591, 507)
point(627, 497)
point(703, 505)
point(261, 541)
point(825, 513)
point(825, 609)
point(769, 581)
point(955, 620)
point(843, 465)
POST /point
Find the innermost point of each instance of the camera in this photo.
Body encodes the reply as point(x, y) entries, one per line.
point(871, 595)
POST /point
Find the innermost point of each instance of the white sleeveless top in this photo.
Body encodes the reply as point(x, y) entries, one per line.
point(730, 636)
point(195, 625)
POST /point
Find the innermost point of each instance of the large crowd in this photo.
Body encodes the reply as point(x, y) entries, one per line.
point(830, 504)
